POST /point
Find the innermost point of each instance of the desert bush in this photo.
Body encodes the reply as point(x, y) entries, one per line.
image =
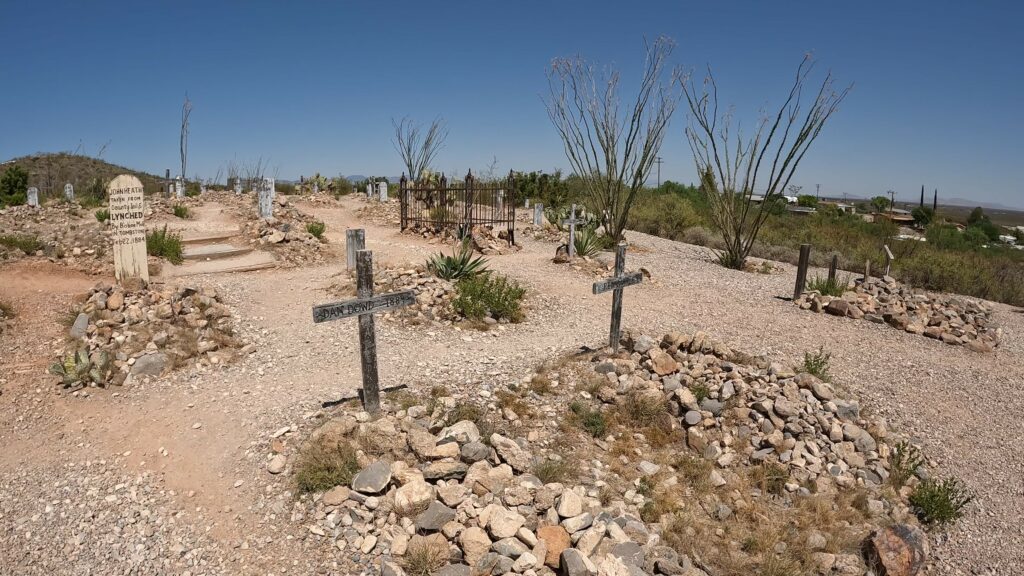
point(551, 470)
point(316, 229)
point(817, 363)
point(586, 243)
point(103, 214)
point(904, 462)
point(940, 501)
point(6, 309)
point(182, 211)
point(13, 186)
point(286, 188)
point(828, 286)
point(341, 186)
point(461, 264)
point(164, 244)
point(324, 464)
point(193, 189)
point(27, 244)
point(424, 557)
point(493, 295)
point(700, 391)
point(665, 215)
point(590, 419)
point(639, 410)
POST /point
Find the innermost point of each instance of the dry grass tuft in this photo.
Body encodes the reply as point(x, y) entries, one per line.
point(324, 463)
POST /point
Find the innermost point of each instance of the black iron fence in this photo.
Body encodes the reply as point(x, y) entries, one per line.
point(459, 207)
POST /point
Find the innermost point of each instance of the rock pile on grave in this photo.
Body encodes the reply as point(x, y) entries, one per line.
point(952, 319)
point(120, 333)
point(486, 241)
point(285, 233)
point(64, 233)
point(438, 488)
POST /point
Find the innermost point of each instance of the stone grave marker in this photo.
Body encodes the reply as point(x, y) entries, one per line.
point(616, 283)
point(238, 185)
point(571, 222)
point(365, 306)
point(179, 188)
point(32, 195)
point(538, 214)
point(369, 189)
point(69, 192)
point(265, 200)
point(382, 191)
point(128, 231)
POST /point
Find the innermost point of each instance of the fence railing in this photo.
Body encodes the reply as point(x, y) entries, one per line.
point(460, 207)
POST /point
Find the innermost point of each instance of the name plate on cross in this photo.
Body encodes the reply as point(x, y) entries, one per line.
point(615, 284)
point(364, 307)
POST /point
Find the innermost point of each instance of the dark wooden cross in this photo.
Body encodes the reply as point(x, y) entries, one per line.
point(365, 306)
point(571, 222)
point(616, 284)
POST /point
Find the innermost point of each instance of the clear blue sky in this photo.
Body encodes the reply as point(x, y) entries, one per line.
point(939, 95)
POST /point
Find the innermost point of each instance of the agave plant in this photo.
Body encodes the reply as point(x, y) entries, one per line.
point(78, 368)
point(586, 243)
point(461, 264)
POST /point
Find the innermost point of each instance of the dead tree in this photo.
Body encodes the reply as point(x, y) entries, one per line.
point(735, 168)
point(611, 155)
point(416, 148)
point(186, 111)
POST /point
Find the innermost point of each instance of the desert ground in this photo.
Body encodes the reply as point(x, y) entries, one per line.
point(147, 478)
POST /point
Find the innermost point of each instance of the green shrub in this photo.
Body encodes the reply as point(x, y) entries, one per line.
point(700, 391)
point(940, 501)
point(341, 186)
point(182, 211)
point(193, 189)
point(323, 464)
point(590, 419)
point(904, 462)
point(316, 229)
point(665, 215)
point(817, 363)
point(493, 295)
point(27, 244)
point(828, 286)
point(461, 264)
point(164, 244)
point(13, 186)
point(103, 214)
point(286, 188)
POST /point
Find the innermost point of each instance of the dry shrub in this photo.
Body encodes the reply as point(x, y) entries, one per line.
point(424, 557)
point(642, 410)
point(325, 463)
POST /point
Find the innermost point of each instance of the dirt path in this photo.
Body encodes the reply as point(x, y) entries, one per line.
point(962, 406)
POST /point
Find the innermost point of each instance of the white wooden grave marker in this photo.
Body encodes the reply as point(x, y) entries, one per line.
point(33, 197)
point(128, 231)
point(266, 198)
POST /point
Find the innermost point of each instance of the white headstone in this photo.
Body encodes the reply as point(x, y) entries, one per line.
point(128, 231)
point(238, 185)
point(266, 198)
point(179, 188)
point(316, 188)
point(69, 192)
point(382, 191)
point(369, 189)
point(33, 196)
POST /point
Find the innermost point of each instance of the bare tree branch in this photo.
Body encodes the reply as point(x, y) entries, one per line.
point(418, 150)
point(613, 157)
point(186, 111)
point(733, 168)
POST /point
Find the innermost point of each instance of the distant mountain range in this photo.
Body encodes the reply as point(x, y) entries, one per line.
point(962, 202)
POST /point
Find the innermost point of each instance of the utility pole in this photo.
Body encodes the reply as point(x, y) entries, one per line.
point(892, 201)
point(817, 191)
point(657, 160)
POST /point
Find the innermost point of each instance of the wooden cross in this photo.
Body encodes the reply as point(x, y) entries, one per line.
point(888, 259)
point(571, 222)
point(365, 306)
point(616, 284)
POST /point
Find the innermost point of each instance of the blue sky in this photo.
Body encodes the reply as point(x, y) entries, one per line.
point(938, 97)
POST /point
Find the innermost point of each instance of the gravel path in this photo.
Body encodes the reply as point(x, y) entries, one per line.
point(184, 456)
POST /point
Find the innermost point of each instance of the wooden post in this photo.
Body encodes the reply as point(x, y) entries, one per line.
point(355, 240)
point(888, 259)
point(403, 199)
point(801, 270)
point(867, 269)
point(832, 268)
point(616, 326)
point(367, 336)
point(571, 222)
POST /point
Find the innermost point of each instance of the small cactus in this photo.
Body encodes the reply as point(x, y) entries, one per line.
point(78, 368)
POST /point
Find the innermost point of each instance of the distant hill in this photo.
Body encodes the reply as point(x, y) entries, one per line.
point(49, 173)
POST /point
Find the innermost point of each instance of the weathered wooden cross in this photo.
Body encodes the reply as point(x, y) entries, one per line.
point(888, 259)
point(571, 222)
point(616, 284)
point(365, 306)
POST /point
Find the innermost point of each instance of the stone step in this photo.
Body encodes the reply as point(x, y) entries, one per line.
point(213, 251)
point(253, 260)
point(208, 237)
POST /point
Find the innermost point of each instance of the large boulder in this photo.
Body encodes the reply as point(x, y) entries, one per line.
point(899, 550)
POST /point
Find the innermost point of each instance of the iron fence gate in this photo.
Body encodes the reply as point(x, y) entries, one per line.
point(459, 207)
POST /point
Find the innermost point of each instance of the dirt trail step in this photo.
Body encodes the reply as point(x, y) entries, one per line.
point(212, 244)
point(213, 251)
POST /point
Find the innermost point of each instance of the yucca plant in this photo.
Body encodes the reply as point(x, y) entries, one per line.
point(77, 368)
point(586, 243)
point(103, 214)
point(461, 264)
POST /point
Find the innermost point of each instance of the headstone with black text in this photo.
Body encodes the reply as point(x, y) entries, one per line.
point(69, 192)
point(179, 188)
point(127, 229)
point(382, 191)
point(238, 185)
point(32, 197)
